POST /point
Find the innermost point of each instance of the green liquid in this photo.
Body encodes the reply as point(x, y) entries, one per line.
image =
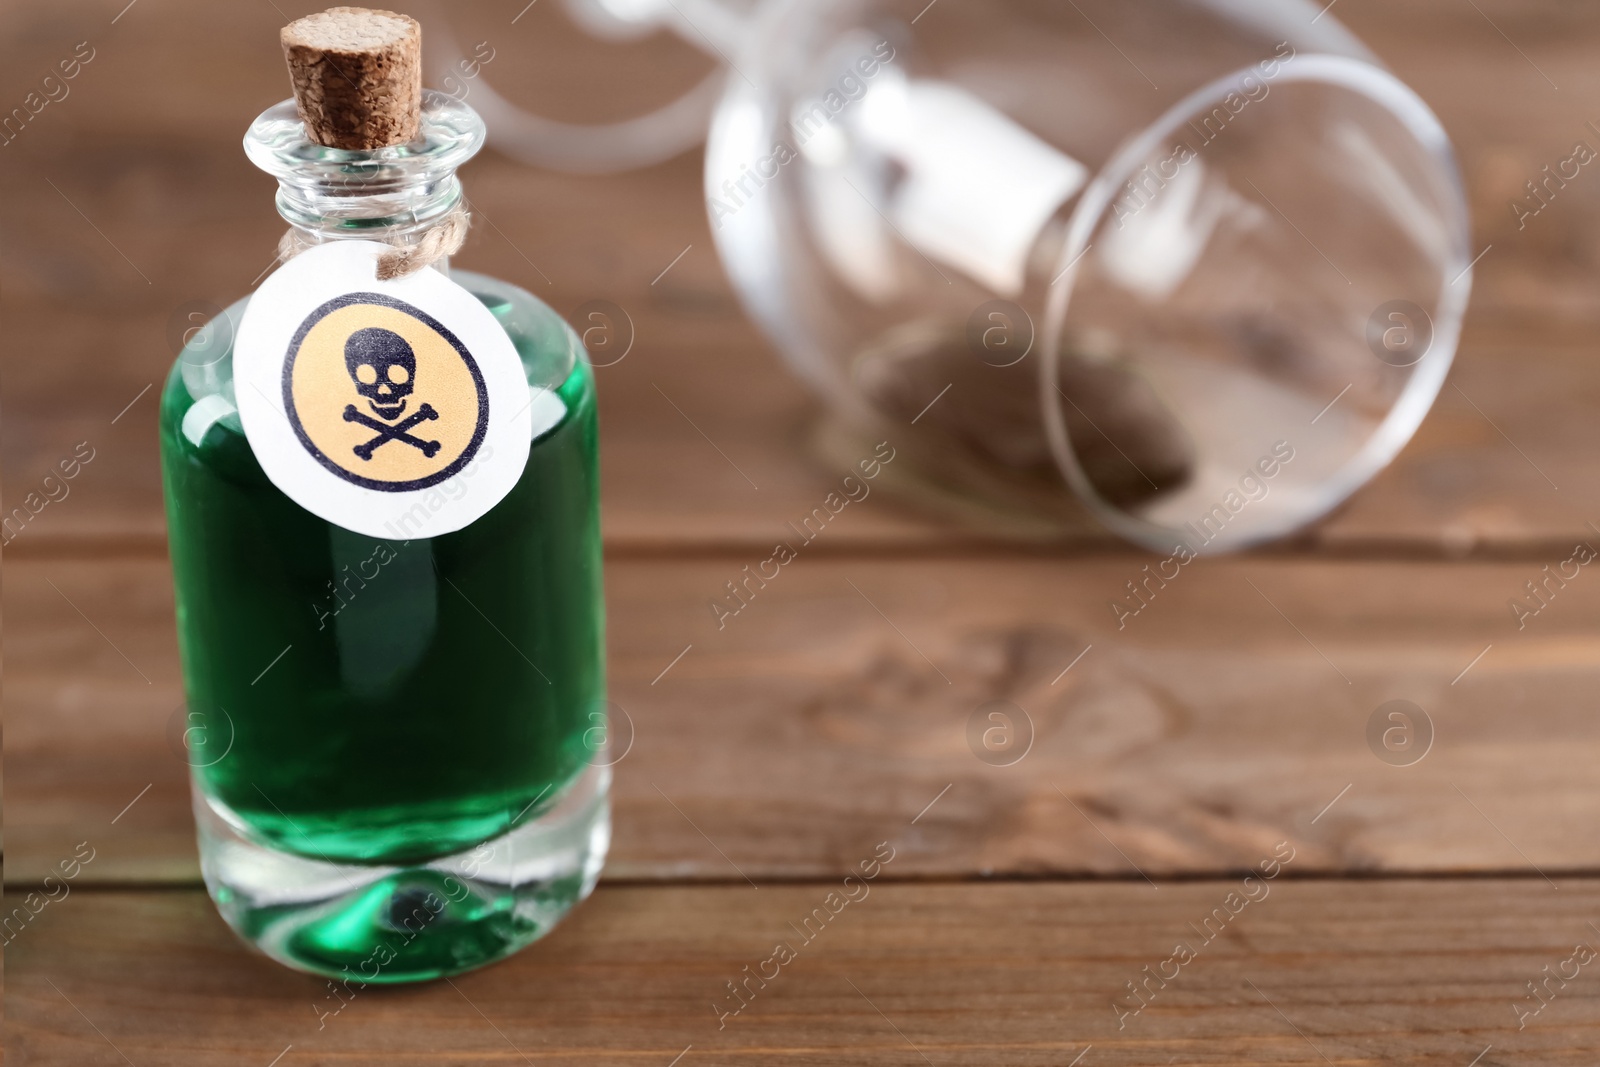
point(356, 700)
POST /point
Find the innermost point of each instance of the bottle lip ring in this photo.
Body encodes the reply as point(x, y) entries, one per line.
point(451, 133)
point(1427, 378)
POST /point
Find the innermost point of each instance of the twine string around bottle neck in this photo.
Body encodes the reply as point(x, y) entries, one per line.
point(439, 241)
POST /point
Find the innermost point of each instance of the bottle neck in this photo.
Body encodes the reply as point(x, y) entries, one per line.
point(394, 194)
point(356, 209)
point(320, 211)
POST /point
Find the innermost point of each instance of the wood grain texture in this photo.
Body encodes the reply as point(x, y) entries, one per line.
point(121, 213)
point(1225, 716)
point(1416, 974)
point(842, 706)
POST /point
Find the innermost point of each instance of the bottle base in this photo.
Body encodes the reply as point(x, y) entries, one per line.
point(375, 925)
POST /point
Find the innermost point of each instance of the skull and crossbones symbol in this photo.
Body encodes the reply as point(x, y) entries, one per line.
point(384, 370)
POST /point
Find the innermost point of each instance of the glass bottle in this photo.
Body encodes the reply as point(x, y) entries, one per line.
point(395, 745)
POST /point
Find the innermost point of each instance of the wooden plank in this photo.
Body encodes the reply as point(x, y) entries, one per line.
point(1232, 712)
point(1420, 973)
point(168, 188)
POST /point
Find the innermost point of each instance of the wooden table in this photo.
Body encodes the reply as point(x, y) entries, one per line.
point(775, 754)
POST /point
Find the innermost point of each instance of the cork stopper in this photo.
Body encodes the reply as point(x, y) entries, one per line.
point(357, 76)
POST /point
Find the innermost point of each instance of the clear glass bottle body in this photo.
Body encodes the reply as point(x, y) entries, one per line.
point(392, 742)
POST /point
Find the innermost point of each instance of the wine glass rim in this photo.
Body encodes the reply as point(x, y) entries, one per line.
point(1428, 374)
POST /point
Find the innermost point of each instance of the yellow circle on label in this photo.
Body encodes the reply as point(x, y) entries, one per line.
point(383, 395)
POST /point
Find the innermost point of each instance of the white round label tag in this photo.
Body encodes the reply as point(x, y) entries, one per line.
point(398, 409)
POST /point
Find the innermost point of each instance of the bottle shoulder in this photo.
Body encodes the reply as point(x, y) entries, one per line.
point(199, 395)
